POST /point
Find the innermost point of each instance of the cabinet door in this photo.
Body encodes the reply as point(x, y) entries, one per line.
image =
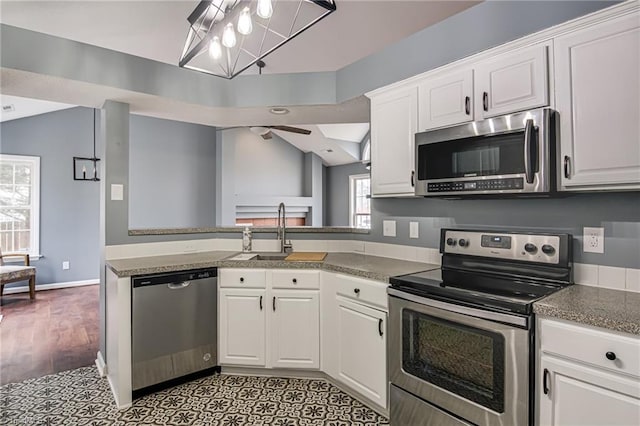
point(394, 121)
point(512, 82)
point(444, 101)
point(598, 97)
point(295, 329)
point(362, 359)
point(242, 326)
point(581, 396)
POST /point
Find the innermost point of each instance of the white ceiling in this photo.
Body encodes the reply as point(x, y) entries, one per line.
point(25, 107)
point(157, 29)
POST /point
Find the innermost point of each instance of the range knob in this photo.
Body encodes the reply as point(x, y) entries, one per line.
point(463, 243)
point(451, 242)
point(530, 248)
point(548, 250)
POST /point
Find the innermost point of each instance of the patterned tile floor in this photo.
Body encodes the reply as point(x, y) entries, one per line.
point(81, 397)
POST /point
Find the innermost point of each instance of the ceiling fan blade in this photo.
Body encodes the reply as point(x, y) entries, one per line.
point(291, 129)
point(267, 135)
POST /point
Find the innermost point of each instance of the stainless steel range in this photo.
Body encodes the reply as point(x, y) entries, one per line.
point(461, 339)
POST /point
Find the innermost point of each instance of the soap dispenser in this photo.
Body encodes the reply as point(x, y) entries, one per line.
point(246, 239)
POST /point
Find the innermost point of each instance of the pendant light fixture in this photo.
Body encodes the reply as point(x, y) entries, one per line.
point(86, 168)
point(239, 33)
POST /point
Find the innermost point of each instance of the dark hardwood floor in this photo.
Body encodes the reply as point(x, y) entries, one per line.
point(57, 331)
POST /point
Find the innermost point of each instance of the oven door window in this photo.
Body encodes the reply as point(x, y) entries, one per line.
point(461, 359)
point(491, 155)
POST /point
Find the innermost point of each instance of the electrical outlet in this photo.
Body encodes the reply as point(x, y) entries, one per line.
point(414, 230)
point(65, 265)
point(593, 240)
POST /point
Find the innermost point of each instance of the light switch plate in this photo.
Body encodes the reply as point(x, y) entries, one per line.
point(414, 230)
point(65, 265)
point(389, 228)
point(117, 192)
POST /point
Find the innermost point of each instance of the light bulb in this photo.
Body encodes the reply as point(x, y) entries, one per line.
point(228, 36)
point(215, 49)
point(265, 9)
point(244, 22)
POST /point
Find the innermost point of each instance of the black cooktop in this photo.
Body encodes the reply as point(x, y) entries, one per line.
point(514, 295)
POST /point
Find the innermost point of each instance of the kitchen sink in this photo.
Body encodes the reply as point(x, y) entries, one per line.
point(271, 256)
point(261, 256)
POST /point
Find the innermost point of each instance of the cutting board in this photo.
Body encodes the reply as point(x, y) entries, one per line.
point(307, 256)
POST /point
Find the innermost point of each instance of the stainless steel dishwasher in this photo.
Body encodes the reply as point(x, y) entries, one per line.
point(174, 328)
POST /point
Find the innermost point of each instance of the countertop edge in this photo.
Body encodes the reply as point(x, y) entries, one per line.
point(238, 229)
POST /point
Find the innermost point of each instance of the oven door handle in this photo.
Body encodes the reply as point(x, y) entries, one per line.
point(458, 309)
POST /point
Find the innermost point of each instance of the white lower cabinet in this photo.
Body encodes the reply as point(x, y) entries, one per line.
point(295, 329)
point(587, 376)
point(577, 395)
point(242, 326)
point(362, 350)
point(273, 328)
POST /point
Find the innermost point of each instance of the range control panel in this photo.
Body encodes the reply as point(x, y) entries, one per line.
point(526, 247)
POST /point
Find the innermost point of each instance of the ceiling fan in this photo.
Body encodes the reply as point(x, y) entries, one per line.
point(265, 131)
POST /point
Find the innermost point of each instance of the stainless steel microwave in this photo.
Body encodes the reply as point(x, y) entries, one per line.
point(513, 154)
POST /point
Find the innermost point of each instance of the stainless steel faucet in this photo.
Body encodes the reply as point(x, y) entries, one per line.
point(285, 246)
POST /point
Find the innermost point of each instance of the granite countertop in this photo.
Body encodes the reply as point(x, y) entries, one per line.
point(361, 265)
point(238, 229)
point(615, 310)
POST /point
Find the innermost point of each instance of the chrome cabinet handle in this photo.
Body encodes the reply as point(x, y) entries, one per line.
point(485, 101)
point(260, 302)
point(567, 167)
point(545, 385)
point(529, 150)
point(413, 178)
point(380, 327)
point(467, 105)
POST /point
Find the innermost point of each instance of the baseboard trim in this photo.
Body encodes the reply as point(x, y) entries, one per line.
point(102, 367)
point(52, 286)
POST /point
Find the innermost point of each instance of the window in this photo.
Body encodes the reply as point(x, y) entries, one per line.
point(19, 204)
point(360, 201)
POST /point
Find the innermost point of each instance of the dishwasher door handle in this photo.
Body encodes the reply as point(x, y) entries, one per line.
point(173, 286)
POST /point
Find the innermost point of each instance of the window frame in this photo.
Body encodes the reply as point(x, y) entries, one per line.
point(34, 246)
point(352, 197)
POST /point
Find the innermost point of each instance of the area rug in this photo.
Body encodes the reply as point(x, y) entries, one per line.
point(81, 397)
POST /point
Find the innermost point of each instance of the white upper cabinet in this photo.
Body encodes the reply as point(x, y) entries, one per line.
point(394, 122)
point(597, 73)
point(446, 100)
point(514, 81)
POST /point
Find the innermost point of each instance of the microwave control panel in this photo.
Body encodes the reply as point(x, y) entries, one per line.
point(506, 184)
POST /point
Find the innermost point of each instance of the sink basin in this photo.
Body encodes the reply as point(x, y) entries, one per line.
point(261, 256)
point(271, 256)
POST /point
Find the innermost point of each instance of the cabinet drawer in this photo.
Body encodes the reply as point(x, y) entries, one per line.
point(295, 278)
point(591, 346)
point(366, 291)
point(242, 278)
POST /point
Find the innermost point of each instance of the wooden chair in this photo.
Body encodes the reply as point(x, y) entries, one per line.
point(13, 273)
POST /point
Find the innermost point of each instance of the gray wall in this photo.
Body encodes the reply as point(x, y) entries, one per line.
point(266, 167)
point(172, 174)
point(337, 183)
point(69, 210)
point(486, 25)
point(618, 213)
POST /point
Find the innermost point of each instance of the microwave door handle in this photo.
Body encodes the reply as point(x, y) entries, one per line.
point(529, 135)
